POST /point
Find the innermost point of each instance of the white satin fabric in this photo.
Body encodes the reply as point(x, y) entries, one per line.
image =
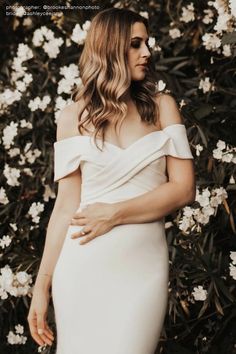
point(110, 294)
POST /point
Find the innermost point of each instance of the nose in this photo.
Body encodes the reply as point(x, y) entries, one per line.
point(146, 51)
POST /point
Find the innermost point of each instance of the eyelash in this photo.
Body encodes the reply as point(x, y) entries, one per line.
point(137, 45)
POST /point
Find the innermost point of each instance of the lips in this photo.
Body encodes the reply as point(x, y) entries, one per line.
point(144, 66)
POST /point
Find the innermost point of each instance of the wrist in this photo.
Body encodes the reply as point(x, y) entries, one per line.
point(117, 213)
point(43, 282)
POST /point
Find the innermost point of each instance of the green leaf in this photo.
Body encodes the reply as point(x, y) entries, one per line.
point(229, 38)
point(203, 111)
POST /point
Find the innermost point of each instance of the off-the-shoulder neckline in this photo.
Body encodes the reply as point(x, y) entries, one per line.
point(161, 131)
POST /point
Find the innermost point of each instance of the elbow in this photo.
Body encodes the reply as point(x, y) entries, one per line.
point(190, 195)
point(187, 195)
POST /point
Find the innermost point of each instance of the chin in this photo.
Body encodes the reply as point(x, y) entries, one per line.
point(138, 77)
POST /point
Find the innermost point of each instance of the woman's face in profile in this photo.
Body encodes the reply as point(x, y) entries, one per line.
point(139, 53)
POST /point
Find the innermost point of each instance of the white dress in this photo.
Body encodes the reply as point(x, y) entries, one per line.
point(110, 294)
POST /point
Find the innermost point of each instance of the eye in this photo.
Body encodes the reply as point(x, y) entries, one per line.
point(135, 44)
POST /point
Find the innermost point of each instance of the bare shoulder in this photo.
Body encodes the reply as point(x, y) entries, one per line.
point(67, 121)
point(168, 110)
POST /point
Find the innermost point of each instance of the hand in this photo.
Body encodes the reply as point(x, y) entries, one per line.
point(96, 219)
point(39, 328)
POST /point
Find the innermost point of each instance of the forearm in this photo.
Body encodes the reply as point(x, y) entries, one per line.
point(152, 205)
point(56, 232)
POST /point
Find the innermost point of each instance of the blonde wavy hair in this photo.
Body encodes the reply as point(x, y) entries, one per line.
point(105, 74)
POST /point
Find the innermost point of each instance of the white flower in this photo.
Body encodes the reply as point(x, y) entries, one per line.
point(208, 18)
point(39, 103)
point(232, 5)
point(188, 211)
point(224, 153)
point(24, 52)
point(221, 144)
point(45, 37)
point(19, 11)
point(9, 283)
point(6, 278)
point(52, 47)
point(188, 13)
point(5, 241)
point(13, 226)
point(193, 218)
point(186, 223)
point(38, 37)
point(59, 105)
point(201, 217)
point(182, 103)
point(199, 148)
point(161, 85)
point(23, 277)
point(71, 78)
point(78, 35)
point(70, 72)
point(16, 338)
point(12, 174)
point(9, 132)
point(206, 85)
point(232, 271)
point(86, 25)
point(151, 42)
point(227, 157)
point(233, 256)
point(19, 329)
point(144, 14)
point(199, 293)
point(203, 198)
point(25, 124)
point(175, 33)
point(208, 210)
point(7, 97)
point(222, 22)
point(226, 50)
point(217, 154)
point(3, 197)
point(211, 41)
point(35, 210)
point(232, 180)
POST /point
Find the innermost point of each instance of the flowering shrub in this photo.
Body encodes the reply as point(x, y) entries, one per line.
point(193, 47)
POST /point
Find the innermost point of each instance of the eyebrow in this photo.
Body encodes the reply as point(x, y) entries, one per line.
point(139, 38)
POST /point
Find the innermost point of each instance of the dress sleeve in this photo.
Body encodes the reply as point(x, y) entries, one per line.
point(177, 144)
point(67, 157)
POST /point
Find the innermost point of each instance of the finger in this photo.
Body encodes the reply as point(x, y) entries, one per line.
point(41, 328)
point(85, 230)
point(79, 215)
point(35, 335)
point(33, 330)
point(80, 221)
point(48, 332)
point(87, 238)
point(43, 335)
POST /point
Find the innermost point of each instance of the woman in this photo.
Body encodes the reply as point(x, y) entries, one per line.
point(109, 267)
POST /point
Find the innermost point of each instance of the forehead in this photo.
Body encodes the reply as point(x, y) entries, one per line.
point(138, 29)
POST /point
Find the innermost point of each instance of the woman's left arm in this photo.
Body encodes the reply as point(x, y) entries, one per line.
point(174, 194)
point(168, 197)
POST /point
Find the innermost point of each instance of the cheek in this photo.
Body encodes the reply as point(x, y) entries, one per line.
point(131, 58)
